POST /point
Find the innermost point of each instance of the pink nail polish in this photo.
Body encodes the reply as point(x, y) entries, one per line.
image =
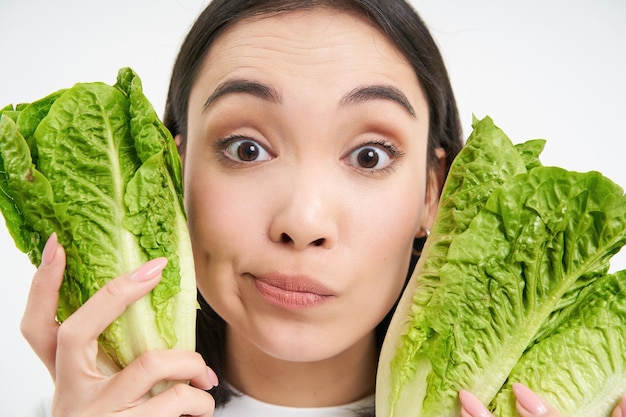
point(472, 405)
point(624, 406)
point(212, 377)
point(49, 250)
point(529, 400)
point(149, 270)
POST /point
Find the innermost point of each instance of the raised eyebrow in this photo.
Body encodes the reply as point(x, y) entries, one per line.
point(257, 89)
point(378, 92)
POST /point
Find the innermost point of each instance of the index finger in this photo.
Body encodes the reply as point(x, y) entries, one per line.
point(620, 409)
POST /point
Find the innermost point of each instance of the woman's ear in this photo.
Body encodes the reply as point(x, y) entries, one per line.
point(178, 140)
point(436, 178)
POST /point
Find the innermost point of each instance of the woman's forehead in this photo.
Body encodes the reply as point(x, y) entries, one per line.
point(320, 45)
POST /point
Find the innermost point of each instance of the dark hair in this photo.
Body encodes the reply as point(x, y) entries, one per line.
point(397, 20)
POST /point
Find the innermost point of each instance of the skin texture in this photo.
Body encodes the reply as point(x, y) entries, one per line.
point(305, 209)
point(302, 245)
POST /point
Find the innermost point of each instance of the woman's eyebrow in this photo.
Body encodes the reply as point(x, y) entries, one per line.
point(257, 89)
point(378, 92)
point(269, 93)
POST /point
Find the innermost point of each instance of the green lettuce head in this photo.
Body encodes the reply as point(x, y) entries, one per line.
point(94, 164)
point(512, 286)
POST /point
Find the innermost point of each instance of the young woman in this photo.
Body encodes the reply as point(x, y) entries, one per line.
point(315, 137)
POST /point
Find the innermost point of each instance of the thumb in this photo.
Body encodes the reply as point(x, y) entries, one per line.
point(38, 325)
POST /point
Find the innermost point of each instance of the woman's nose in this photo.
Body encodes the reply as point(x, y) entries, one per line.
point(305, 215)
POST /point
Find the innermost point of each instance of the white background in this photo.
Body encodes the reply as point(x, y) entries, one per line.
point(551, 69)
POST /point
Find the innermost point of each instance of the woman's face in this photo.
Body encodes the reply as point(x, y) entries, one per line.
point(305, 180)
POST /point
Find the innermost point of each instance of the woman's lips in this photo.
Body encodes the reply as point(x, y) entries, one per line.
point(291, 292)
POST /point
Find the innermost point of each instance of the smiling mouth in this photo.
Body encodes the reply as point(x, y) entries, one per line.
point(291, 293)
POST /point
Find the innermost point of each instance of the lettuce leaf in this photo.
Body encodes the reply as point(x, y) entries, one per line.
point(514, 248)
point(586, 346)
point(94, 164)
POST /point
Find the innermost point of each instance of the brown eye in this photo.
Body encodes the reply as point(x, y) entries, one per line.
point(246, 150)
point(370, 158)
point(367, 158)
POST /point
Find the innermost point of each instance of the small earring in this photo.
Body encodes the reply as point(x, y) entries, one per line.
point(418, 243)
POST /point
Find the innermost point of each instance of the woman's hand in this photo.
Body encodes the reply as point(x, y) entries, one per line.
point(69, 350)
point(528, 404)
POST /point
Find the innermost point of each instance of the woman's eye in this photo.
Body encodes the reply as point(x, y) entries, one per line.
point(246, 150)
point(370, 157)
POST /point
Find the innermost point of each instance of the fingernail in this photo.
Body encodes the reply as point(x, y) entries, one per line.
point(472, 405)
point(624, 406)
point(49, 250)
point(212, 377)
point(529, 400)
point(149, 270)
